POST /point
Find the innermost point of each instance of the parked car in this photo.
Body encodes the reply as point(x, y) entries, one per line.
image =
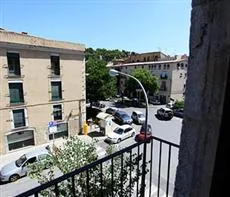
point(111, 110)
point(169, 105)
point(165, 113)
point(138, 117)
point(179, 113)
point(154, 102)
point(16, 169)
point(141, 136)
point(121, 133)
point(122, 117)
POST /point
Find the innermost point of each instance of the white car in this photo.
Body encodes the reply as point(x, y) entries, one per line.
point(16, 169)
point(121, 133)
point(138, 117)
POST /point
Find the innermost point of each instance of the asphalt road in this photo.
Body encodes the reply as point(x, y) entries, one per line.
point(167, 130)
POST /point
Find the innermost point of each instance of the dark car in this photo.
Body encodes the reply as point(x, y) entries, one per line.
point(123, 118)
point(154, 102)
point(141, 135)
point(179, 113)
point(165, 113)
point(111, 110)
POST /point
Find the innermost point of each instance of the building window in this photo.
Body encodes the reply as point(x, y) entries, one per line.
point(16, 93)
point(61, 131)
point(182, 65)
point(144, 59)
point(148, 58)
point(178, 66)
point(57, 112)
point(142, 66)
point(55, 65)
point(135, 66)
point(19, 118)
point(163, 86)
point(154, 66)
point(186, 65)
point(168, 66)
point(159, 66)
point(164, 66)
point(20, 139)
point(56, 90)
point(163, 76)
point(13, 64)
point(126, 67)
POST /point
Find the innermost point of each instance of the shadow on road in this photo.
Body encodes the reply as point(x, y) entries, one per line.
point(95, 134)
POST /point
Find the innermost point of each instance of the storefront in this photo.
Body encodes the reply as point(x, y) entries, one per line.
point(20, 139)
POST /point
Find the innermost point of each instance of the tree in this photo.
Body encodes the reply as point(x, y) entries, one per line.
point(178, 104)
point(149, 81)
point(99, 84)
point(75, 154)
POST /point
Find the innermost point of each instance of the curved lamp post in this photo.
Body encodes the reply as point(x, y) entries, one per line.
point(113, 73)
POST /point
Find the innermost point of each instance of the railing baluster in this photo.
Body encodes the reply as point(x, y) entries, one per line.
point(71, 176)
point(138, 166)
point(87, 182)
point(101, 178)
point(168, 173)
point(56, 189)
point(121, 175)
point(130, 173)
point(112, 175)
point(159, 171)
point(73, 186)
point(151, 166)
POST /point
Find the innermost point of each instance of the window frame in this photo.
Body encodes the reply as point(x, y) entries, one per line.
point(58, 104)
point(25, 118)
point(22, 94)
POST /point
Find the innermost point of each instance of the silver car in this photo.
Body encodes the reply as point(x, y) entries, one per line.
point(138, 117)
point(16, 169)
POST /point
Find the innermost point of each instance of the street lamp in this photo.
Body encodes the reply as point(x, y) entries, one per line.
point(113, 73)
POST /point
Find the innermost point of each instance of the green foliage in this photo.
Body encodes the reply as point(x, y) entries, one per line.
point(76, 154)
point(106, 55)
point(99, 84)
point(149, 81)
point(178, 104)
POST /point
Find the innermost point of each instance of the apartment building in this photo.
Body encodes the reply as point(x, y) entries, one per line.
point(171, 72)
point(42, 90)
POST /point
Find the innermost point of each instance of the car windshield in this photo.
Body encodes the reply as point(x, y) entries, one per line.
point(118, 131)
point(20, 161)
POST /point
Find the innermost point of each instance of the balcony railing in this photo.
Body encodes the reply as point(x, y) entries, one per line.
point(123, 179)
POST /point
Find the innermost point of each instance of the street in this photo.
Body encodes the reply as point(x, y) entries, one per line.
point(167, 130)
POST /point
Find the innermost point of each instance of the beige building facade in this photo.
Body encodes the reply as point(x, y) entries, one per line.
point(42, 90)
point(172, 75)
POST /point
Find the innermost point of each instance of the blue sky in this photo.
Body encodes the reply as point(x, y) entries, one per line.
point(132, 25)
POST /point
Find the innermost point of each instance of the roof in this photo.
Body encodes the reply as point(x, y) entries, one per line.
point(103, 115)
point(138, 112)
point(37, 152)
point(166, 109)
point(125, 126)
point(146, 63)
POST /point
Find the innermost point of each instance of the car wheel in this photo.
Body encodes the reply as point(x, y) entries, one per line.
point(14, 177)
point(133, 134)
point(119, 140)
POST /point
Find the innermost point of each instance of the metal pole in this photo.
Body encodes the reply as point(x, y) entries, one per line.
point(142, 190)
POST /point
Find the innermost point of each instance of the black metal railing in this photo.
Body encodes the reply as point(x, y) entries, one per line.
point(119, 174)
